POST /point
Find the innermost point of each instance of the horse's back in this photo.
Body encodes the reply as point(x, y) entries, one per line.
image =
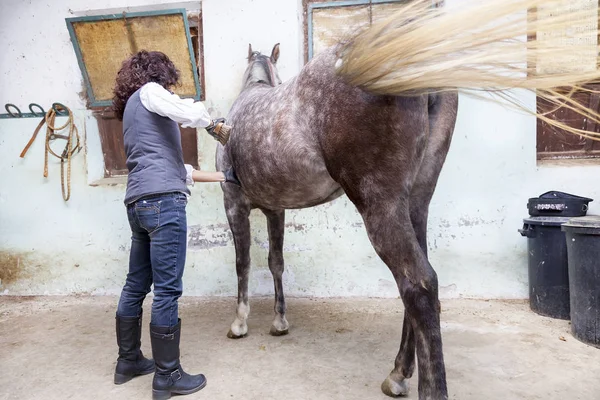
point(293, 145)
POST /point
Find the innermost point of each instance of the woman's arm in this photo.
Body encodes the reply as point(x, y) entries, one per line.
point(201, 176)
point(187, 112)
point(194, 175)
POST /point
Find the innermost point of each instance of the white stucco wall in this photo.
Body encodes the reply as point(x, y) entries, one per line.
point(48, 246)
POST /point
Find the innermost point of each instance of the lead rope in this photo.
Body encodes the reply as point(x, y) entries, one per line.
point(68, 151)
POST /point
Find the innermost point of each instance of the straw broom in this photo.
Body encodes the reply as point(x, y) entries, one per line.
point(549, 47)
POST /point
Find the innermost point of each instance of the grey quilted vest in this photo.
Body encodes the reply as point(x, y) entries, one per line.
point(153, 150)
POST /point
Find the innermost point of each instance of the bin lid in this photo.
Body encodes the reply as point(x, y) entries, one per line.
point(555, 194)
point(590, 221)
point(547, 221)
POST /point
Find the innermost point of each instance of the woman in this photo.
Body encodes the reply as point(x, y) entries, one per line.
point(156, 199)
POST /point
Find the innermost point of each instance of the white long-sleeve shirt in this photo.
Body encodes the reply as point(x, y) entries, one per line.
point(187, 112)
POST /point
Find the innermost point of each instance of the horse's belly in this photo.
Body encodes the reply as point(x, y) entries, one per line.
point(286, 189)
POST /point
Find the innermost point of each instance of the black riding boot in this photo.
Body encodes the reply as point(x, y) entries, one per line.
point(131, 361)
point(169, 377)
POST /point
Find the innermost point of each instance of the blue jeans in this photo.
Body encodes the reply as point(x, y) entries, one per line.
point(158, 248)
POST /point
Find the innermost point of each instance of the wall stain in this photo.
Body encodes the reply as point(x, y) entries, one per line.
point(13, 267)
point(297, 227)
point(444, 223)
point(202, 237)
point(474, 221)
point(263, 244)
point(467, 221)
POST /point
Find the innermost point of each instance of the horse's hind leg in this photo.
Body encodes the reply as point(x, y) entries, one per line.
point(276, 226)
point(442, 119)
point(391, 232)
point(238, 209)
point(378, 178)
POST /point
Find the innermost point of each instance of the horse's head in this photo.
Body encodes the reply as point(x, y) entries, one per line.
point(262, 69)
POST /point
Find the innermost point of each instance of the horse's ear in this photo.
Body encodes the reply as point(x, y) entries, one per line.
point(249, 51)
point(275, 54)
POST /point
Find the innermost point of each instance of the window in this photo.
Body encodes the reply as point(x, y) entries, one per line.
point(101, 44)
point(554, 143)
point(326, 21)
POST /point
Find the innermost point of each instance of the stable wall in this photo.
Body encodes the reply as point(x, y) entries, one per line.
point(48, 246)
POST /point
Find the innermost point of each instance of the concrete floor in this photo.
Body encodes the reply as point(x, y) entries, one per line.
point(64, 348)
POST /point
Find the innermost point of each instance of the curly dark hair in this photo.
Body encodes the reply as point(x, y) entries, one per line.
point(139, 69)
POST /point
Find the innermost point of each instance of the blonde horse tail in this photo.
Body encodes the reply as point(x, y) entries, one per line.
point(549, 47)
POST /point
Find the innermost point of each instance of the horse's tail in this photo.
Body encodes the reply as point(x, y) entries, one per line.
point(546, 46)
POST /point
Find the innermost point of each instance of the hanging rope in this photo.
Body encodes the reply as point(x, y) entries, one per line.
point(72, 145)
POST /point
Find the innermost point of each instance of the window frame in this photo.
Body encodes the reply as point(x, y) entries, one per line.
point(92, 102)
point(308, 6)
point(587, 151)
point(311, 5)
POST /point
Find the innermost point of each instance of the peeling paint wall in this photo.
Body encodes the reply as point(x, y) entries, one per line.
point(51, 247)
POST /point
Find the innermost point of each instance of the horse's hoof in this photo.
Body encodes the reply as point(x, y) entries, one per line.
point(395, 385)
point(275, 332)
point(238, 329)
point(232, 335)
point(280, 326)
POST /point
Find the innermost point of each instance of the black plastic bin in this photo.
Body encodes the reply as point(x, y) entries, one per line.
point(548, 268)
point(583, 248)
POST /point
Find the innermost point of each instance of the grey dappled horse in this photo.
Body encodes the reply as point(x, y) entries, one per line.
point(313, 138)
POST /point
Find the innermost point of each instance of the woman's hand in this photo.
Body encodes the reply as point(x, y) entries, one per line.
point(219, 130)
